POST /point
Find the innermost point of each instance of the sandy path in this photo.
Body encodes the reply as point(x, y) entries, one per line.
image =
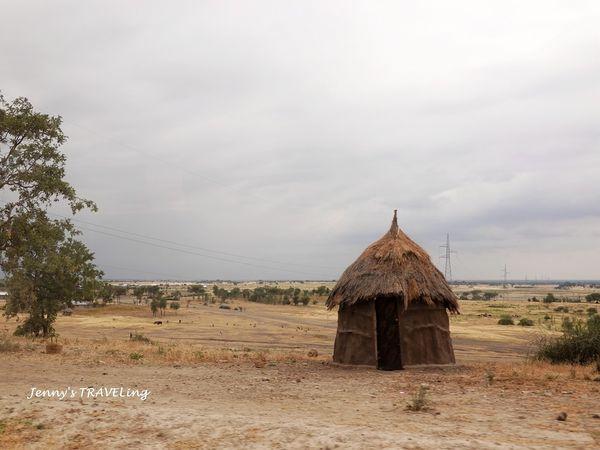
point(302, 405)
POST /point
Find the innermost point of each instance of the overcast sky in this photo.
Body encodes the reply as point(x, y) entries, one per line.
point(289, 131)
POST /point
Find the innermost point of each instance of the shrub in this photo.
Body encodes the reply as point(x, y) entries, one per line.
point(419, 400)
point(561, 309)
point(593, 297)
point(138, 337)
point(568, 324)
point(489, 295)
point(525, 322)
point(506, 320)
point(592, 311)
point(7, 345)
point(136, 356)
point(579, 344)
point(550, 298)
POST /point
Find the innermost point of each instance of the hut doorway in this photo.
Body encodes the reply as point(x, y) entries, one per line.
point(388, 334)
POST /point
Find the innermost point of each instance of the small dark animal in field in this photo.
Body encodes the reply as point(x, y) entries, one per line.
point(179, 320)
point(158, 322)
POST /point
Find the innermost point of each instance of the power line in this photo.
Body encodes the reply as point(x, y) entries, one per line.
point(152, 244)
point(166, 241)
point(166, 277)
point(166, 161)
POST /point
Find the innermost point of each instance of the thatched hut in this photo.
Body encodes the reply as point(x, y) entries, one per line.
point(393, 306)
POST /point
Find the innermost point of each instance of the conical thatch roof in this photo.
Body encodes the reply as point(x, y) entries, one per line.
point(395, 266)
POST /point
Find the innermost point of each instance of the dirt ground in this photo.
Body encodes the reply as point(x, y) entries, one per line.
point(243, 379)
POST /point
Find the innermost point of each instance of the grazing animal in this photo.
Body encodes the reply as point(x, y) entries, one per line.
point(158, 322)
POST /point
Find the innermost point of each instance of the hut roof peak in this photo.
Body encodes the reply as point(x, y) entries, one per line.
point(394, 229)
point(394, 265)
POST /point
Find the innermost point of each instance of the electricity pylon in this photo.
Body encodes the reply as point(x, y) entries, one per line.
point(447, 261)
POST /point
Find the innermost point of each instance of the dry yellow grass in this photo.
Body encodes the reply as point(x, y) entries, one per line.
point(224, 378)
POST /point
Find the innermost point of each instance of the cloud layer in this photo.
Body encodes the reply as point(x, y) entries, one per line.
point(289, 132)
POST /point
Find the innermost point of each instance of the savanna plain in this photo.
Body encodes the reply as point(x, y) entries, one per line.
point(242, 374)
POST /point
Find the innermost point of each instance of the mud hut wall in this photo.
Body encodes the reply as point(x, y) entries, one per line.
point(356, 338)
point(425, 336)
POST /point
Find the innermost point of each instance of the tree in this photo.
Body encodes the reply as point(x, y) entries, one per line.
point(321, 290)
point(32, 168)
point(549, 298)
point(305, 298)
point(197, 290)
point(162, 303)
point(119, 291)
point(46, 268)
point(154, 307)
point(138, 293)
point(174, 306)
point(107, 292)
point(489, 295)
point(593, 297)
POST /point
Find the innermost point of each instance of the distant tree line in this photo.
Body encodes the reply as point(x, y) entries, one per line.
point(594, 297)
point(477, 294)
point(272, 294)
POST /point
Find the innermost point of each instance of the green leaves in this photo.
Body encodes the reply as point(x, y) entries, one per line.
point(46, 267)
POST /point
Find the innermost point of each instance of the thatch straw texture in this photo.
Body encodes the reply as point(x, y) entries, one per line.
point(393, 266)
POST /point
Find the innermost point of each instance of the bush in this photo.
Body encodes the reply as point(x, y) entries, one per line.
point(136, 356)
point(7, 345)
point(550, 298)
point(419, 400)
point(506, 320)
point(568, 324)
point(592, 311)
point(579, 344)
point(525, 322)
point(138, 337)
point(593, 297)
point(561, 309)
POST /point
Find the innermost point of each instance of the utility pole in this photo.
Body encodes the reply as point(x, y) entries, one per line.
point(447, 262)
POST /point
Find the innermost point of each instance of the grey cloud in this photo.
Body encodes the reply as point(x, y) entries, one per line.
point(290, 132)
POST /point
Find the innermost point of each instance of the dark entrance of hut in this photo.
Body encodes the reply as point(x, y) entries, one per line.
point(388, 334)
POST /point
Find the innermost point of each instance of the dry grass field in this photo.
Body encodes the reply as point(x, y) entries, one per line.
point(223, 378)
